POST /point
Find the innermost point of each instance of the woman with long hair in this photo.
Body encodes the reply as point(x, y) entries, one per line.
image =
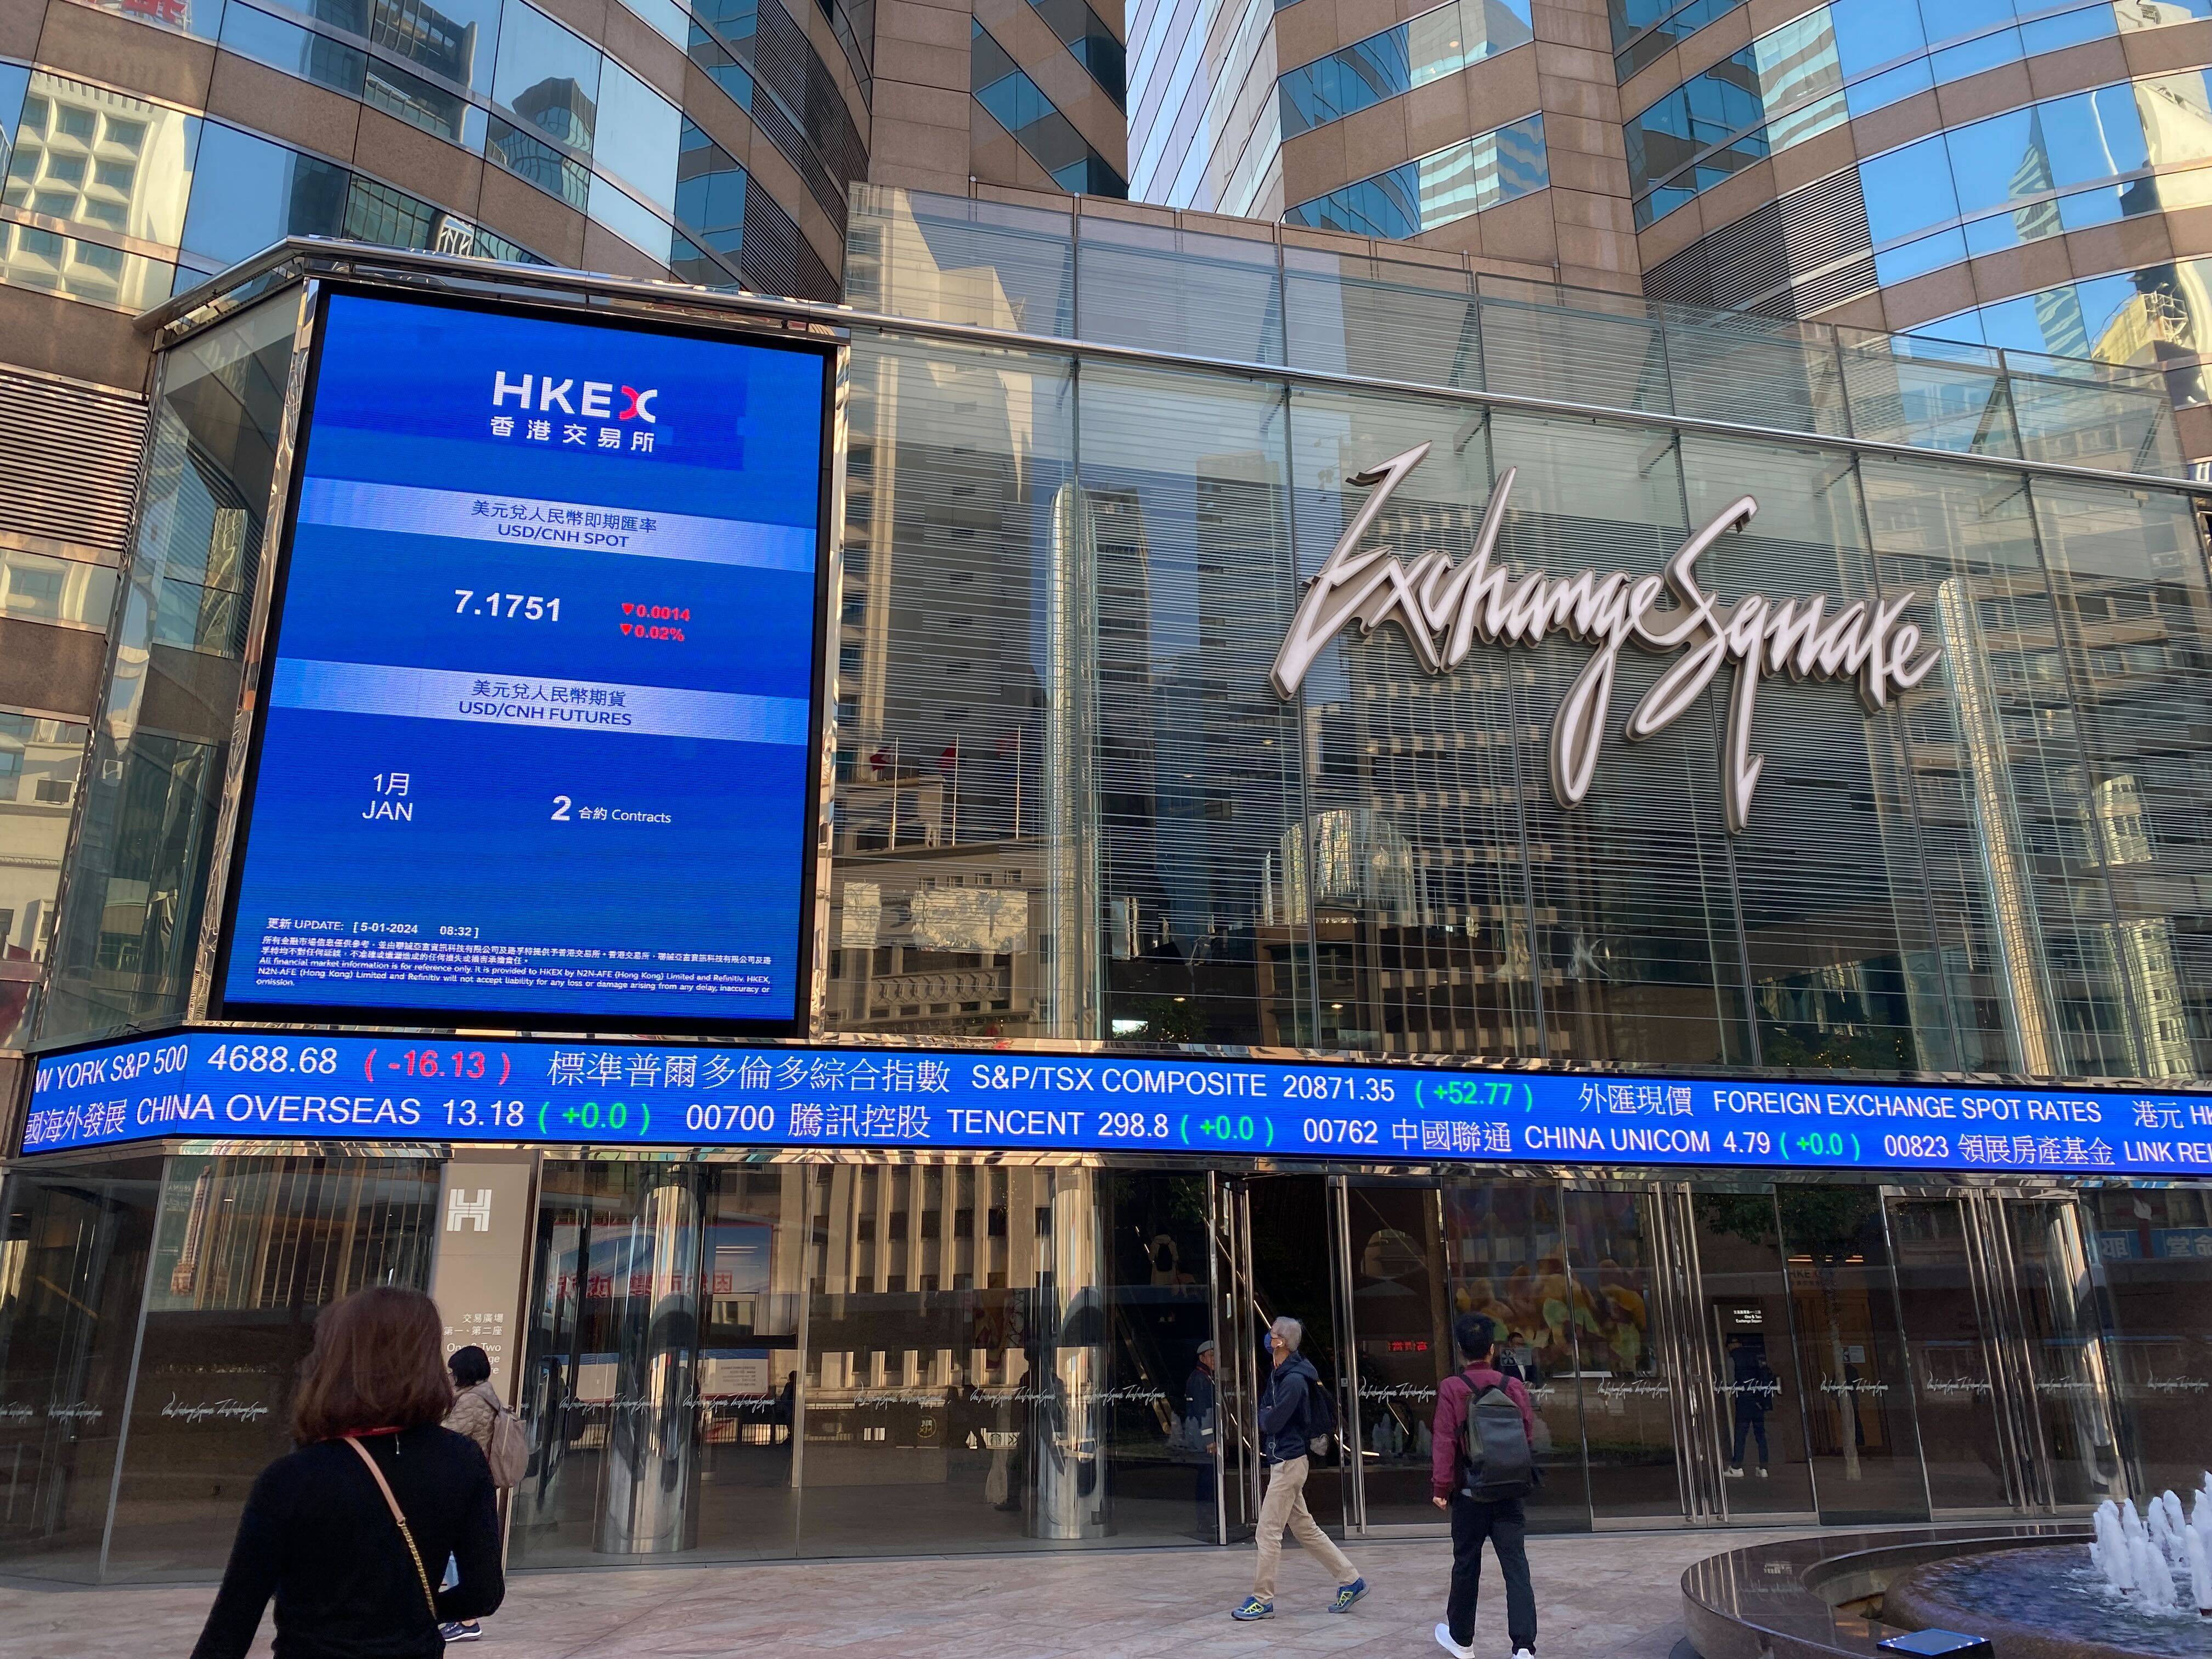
point(343, 1532)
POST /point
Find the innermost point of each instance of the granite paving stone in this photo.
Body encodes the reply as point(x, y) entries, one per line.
point(1602, 1596)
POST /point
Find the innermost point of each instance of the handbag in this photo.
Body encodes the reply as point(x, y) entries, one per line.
point(399, 1519)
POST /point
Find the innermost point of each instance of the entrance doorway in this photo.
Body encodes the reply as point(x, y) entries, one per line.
point(2004, 1320)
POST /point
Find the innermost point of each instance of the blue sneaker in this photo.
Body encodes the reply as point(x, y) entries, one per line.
point(1346, 1594)
point(1254, 1608)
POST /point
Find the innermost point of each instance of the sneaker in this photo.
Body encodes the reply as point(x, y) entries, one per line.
point(465, 1631)
point(1735, 1471)
point(1254, 1608)
point(1445, 1642)
point(1762, 1475)
point(1346, 1594)
point(1524, 1653)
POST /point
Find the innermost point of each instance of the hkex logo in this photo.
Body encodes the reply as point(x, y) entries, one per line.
point(594, 397)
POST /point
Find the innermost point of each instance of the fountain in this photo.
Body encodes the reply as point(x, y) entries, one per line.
point(2136, 1583)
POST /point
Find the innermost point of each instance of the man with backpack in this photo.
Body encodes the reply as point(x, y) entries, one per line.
point(1483, 1465)
point(1296, 1421)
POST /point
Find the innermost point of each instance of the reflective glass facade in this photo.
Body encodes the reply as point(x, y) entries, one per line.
point(1837, 62)
point(1090, 461)
point(1456, 182)
point(1437, 43)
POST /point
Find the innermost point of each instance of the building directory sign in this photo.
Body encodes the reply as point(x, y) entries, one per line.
point(537, 724)
point(238, 1084)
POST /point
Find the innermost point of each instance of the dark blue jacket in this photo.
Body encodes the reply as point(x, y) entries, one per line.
point(1283, 1410)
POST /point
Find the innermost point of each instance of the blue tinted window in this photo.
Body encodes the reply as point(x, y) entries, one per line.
point(1972, 56)
point(1908, 190)
point(1946, 247)
point(1994, 161)
point(1435, 190)
point(248, 192)
point(2071, 29)
point(2093, 135)
point(294, 51)
point(548, 78)
point(1437, 43)
point(1955, 20)
point(1880, 91)
point(1872, 33)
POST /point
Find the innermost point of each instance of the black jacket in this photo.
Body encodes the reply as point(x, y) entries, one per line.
point(318, 1536)
point(1283, 1411)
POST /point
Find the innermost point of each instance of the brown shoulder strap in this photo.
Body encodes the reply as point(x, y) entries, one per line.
point(399, 1519)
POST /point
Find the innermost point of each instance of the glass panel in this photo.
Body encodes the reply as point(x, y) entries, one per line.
point(102, 158)
point(1506, 1256)
point(1635, 926)
point(1948, 1336)
point(1401, 1318)
point(1390, 321)
point(736, 1362)
point(2136, 620)
point(634, 223)
point(963, 896)
point(2155, 1250)
point(1026, 1400)
point(548, 78)
point(615, 1391)
point(1628, 1416)
point(2062, 1307)
point(1835, 925)
point(638, 133)
point(1419, 948)
point(1955, 402)
point(293, 50)
point(1177, 290)
point(1769, 374)
point(1865, 1446)
point(1908, 190)
point(1872, 33)
point(1199, 800)
point(1294, 1273)
point(1572, 344)
point(73, 1248)
point(959, 261)
point(133, 923)
point(2021, 918)
point(41, 764)
point(1744, 1290)
point(251, 193)
point(247, 1251)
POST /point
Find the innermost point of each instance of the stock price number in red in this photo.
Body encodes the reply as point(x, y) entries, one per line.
point(457, 1064)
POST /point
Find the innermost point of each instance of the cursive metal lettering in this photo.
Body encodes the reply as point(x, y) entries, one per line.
point(1444, 608)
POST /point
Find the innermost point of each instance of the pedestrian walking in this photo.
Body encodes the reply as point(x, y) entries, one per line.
point(1754, 1384)
point(1482, 1463)
point(479, 1413)
point(1294, 1411)
point(339, 1533)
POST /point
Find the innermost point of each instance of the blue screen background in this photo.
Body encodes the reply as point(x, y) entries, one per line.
point(463, 803)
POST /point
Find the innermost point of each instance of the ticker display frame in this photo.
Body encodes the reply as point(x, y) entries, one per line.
point(237, 1084)
point(208, 1001)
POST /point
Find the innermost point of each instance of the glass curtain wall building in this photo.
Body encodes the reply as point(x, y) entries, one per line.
point(1089, 459)
point(2004, 175)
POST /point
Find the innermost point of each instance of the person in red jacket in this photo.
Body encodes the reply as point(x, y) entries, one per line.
point(1501, 1521)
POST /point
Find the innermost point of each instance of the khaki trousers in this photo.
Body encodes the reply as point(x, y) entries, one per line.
point(1285, 1505)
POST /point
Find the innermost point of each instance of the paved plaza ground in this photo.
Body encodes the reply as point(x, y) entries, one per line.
point(1605, 1596)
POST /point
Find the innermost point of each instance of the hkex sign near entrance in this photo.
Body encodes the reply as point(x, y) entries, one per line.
point(231, 1085)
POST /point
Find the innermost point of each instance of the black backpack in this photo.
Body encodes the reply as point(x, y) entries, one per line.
point(1494, 1446)
point(1320, 1419)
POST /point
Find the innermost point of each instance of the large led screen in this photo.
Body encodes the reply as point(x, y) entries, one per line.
point(537, 718)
